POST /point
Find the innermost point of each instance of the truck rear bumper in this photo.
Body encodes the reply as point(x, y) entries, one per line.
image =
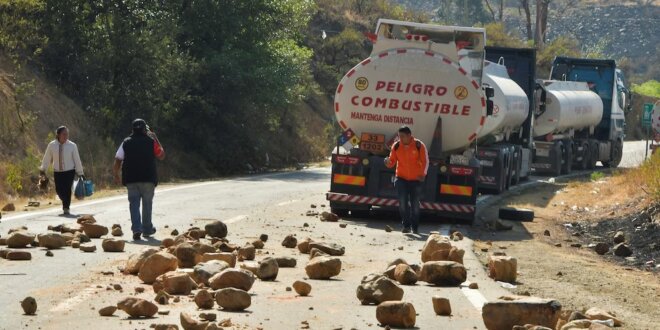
point(391, 202)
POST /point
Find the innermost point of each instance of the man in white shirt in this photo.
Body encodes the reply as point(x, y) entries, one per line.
point(63, 155)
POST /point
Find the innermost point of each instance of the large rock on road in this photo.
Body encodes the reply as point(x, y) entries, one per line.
point(156, 265)
point(323, 267)
point(509, 311)
point(377, 288)
point(443, 273)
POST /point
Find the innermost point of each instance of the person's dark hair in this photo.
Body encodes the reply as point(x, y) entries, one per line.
point(60, 130)
point(139, 126)
point(405, 129)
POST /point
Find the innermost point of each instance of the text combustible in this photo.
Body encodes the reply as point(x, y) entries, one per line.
point(408, 105)
point(382, 118)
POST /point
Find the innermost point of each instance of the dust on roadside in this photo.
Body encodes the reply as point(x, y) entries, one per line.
point(555, 259)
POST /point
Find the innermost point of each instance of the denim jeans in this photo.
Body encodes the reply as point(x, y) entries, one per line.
point(409, 193)
point(141, 191)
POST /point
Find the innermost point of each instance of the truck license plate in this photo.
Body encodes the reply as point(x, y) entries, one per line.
point(374, 143)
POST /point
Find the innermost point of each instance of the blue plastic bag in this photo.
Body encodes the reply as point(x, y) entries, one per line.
point(89, 188)
point(79, 190)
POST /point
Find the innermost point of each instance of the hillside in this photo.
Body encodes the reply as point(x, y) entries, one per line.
point(25, 133)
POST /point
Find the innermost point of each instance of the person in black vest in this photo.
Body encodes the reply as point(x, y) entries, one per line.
point(136, 158)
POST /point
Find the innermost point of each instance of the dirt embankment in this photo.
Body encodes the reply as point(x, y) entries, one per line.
point(557, 255)
point(30, 110)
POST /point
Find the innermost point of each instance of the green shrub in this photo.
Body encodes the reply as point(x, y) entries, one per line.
point(595, 176)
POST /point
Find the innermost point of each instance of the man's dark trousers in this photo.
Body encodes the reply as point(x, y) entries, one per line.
point(63, 184)
point(409, 192)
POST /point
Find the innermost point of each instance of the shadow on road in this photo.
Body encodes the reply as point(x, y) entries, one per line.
point(299, 176)
point(146, 242)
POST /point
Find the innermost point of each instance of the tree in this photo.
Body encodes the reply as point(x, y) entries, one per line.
point(541, 22)
point(461, 12)
point(496, 35)
point(524, 4)
point(500, 13)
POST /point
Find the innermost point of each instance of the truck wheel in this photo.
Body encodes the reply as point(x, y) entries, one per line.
point(557, 150)
point(342, 213)
point(567, 155)
point(518, 166)
point(515, 214)
point(593, 154)
point(584, 163)
point(617, 154)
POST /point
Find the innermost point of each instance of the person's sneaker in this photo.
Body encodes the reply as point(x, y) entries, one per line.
point(66, 212)
point(406, 230)
point(149, 234)
point(136, 236)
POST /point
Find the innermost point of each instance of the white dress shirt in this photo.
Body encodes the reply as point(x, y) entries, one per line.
point(63, 156)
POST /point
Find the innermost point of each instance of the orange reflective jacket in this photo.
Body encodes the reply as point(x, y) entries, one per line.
point(411, 162)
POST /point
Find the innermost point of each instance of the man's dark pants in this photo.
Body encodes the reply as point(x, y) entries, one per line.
point(63, 183)
point(409, 192)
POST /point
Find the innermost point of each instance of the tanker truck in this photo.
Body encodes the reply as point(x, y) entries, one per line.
point(429, 78)
point(486, 121)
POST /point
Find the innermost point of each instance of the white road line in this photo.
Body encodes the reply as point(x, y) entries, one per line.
point(236, 219)
point(68, 304)
point(474, 296)
point(287, 202)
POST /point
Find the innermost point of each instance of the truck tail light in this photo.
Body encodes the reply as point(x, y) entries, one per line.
point(464, 171)
point(346, 160)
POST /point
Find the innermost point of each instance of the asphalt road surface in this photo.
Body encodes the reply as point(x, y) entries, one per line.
point(70, 288)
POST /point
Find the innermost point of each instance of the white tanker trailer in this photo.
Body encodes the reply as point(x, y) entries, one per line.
point(475, 120)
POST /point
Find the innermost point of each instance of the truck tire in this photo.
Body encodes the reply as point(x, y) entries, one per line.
point(593, 154)
point(515, 214)
point(584, 163)
point(518, 167)
point(557, 150)
point(567, 155)
point(616, 155)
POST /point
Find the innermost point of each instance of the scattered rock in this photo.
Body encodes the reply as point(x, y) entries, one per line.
point(595, 313)
point(303, 246)
point(156, 265)
point(202, 272)
point(93, 230)
point(576, 245)
point(503, 268)
point(51, 241)
point(204, 299)
point(216, 229)
point(136, 307)
point(232, 299)
point(473, 286)
point(248, 252)
point(619, 237)
point(328, 248)
point(49, 253)
point(622, 250)
point(286, 262)
point(441, 306)
point(164, 326)
point(457, 236)
point(405, 275)
point(187, 255)
point(174, 232)
point(19, 239)
point(376, 288)
point(456, 255)
point(29, 305)
point(343, 225)
point(546, 233)
point(602, 248)
point(113, 245)
point(329, 217)
point(290, 242)
point(258, 244)
point(86, 218)
point(509, 311)
point(189, 323)
point(313, 253)
point(87, 247)
point(577, 324)
point(302, 288)
point(263, 237)
point(232, 278)
point(136, 260)
point(108, 310)
point(139, 289)
point(268, 269)
point(9, 207)
point(397, 314)
point(116, 231)
point(174, 282)
point(208, 316)
point(162, 297)
point(443, 273)
point(229, 258)
point(388, 228)
point(323, 268)
point(18, 255)
point(435, 243)
point(167, 242)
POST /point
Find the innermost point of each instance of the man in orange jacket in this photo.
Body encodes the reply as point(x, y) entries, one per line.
point(411, 159)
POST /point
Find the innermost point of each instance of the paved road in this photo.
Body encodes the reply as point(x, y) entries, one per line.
point(66, 285)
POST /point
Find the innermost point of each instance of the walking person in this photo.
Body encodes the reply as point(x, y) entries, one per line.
point(411, 159)
point(136, 158)
point(63, 155)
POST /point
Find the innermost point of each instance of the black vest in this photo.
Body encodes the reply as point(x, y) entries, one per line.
point(139, 161)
